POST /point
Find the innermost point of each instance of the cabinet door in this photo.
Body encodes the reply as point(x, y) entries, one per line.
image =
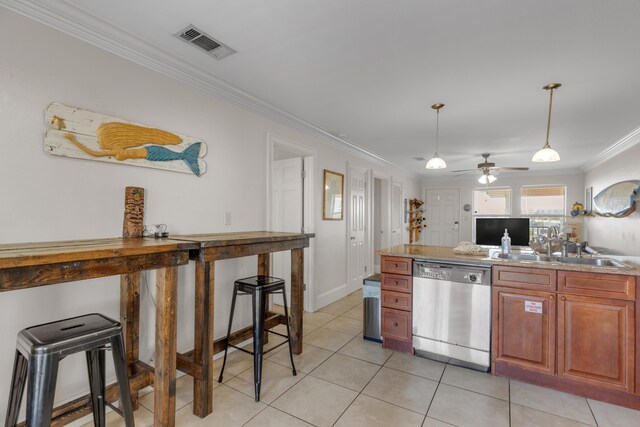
point(524, 329)
point(596, 341)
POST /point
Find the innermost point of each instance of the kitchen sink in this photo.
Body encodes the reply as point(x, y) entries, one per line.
point(597, 262)
point(524, 257)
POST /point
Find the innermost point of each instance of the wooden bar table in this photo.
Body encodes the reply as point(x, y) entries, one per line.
point(29, 265)
point(199, 362)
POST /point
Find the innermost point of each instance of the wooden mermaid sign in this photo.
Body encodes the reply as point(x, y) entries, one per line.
point(84, 134)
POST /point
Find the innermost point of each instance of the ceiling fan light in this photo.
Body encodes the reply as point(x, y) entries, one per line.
point(436, 162)
point(546, 154)
point(487, 179)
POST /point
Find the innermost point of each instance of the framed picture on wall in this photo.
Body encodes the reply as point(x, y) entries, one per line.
point(333, 196)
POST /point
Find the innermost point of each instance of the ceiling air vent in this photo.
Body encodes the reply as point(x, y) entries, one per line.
point(202, 40)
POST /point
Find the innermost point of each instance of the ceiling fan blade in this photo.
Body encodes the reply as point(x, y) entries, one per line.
point(465, 170)
point(512, 169)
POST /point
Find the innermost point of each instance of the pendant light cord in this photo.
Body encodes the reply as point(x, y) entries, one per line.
point(549, 118)
point(438, 129)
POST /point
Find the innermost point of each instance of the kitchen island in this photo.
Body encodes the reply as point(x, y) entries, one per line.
point(571, 327)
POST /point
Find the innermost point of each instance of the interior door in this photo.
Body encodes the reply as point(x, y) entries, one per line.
point(357, 229)
point(286, 203)
point(397, 213)
point(442, 212)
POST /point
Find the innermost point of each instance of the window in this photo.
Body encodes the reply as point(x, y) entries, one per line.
point(545, 206)
point(494, 201)
point(491, 202)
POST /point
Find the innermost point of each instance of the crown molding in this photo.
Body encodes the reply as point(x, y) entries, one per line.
point(77, 23)
point(623, 144)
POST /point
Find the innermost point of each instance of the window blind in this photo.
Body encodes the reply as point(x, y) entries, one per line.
point(543, 200)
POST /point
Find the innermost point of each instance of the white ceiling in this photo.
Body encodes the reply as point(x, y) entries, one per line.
point(370, 69)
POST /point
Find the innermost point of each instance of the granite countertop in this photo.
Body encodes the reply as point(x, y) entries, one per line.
point(442, 253)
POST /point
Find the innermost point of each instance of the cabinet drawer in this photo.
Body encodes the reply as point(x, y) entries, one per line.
point(537, 279)
point(614, 286)
point(396, 283)
point(396, 324)
point(397, 300)
point(396, 265)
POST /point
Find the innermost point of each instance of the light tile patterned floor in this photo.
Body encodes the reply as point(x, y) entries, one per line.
point(345, 381)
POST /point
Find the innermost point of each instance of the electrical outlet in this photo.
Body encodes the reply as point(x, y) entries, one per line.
point(227, 218)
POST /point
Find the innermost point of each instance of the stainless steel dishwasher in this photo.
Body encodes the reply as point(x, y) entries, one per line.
point(452, 313)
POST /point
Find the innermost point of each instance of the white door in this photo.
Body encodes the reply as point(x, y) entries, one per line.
point(357, 255)
point(286, 204)
point(397, 212)
point(442, 212)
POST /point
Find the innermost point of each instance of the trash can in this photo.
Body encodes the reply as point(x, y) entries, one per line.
point(372, 308)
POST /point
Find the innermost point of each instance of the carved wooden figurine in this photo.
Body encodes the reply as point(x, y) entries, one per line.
point(133, 225)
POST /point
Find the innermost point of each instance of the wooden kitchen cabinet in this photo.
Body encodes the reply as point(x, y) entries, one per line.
point(596, 341)
point(579, 334)
point(396, 300)
point(396, 265)
point(535, 279)
point(524, 329)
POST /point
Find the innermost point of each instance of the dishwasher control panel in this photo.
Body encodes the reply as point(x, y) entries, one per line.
point(477, 275)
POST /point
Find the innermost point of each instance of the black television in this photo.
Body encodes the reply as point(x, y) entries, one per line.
point(489, 231)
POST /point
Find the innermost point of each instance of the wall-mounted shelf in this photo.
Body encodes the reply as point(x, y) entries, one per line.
point(416, 220)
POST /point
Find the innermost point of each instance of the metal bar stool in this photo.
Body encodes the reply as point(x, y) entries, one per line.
point(40, 349)
point(258, 287)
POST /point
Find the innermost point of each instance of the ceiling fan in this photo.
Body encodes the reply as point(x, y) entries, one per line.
point(486, 168)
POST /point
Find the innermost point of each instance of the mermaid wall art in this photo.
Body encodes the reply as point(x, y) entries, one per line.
point(83, 134)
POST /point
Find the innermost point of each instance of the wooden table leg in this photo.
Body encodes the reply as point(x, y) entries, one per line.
point(297, 298)
point(165, 355)
point(130, 320)
point(203, 339)
point(264, 269)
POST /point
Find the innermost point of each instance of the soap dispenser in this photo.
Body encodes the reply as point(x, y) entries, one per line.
point(506, 242)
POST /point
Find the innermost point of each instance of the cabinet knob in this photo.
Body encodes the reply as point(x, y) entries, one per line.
point(395, 283)
point(563, 299)
point(395, 324)
point(551, 297)
point(395, 265)
point(395, 300)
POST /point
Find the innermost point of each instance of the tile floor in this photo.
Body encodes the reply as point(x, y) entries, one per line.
point(345, 381)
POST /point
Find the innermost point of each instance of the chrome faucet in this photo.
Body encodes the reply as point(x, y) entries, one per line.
point(552, 233)
point(579, 250)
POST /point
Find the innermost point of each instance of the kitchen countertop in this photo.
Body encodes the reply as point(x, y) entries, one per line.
point(443, 253)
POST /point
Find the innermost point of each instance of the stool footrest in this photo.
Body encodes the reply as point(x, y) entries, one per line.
point(115, 409)
point(275, 346)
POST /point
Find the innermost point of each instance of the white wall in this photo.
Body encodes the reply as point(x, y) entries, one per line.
point(52, 198)
point(574, 183)
point(619, 234)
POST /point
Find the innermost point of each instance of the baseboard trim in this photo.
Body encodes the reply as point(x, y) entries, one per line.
point(331, 296)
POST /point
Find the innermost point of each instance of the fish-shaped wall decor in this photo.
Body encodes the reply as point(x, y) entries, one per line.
point(82, 134)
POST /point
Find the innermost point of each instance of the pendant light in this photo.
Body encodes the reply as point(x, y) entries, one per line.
point(436, 162)
point(486, 177)
point(548, 154)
